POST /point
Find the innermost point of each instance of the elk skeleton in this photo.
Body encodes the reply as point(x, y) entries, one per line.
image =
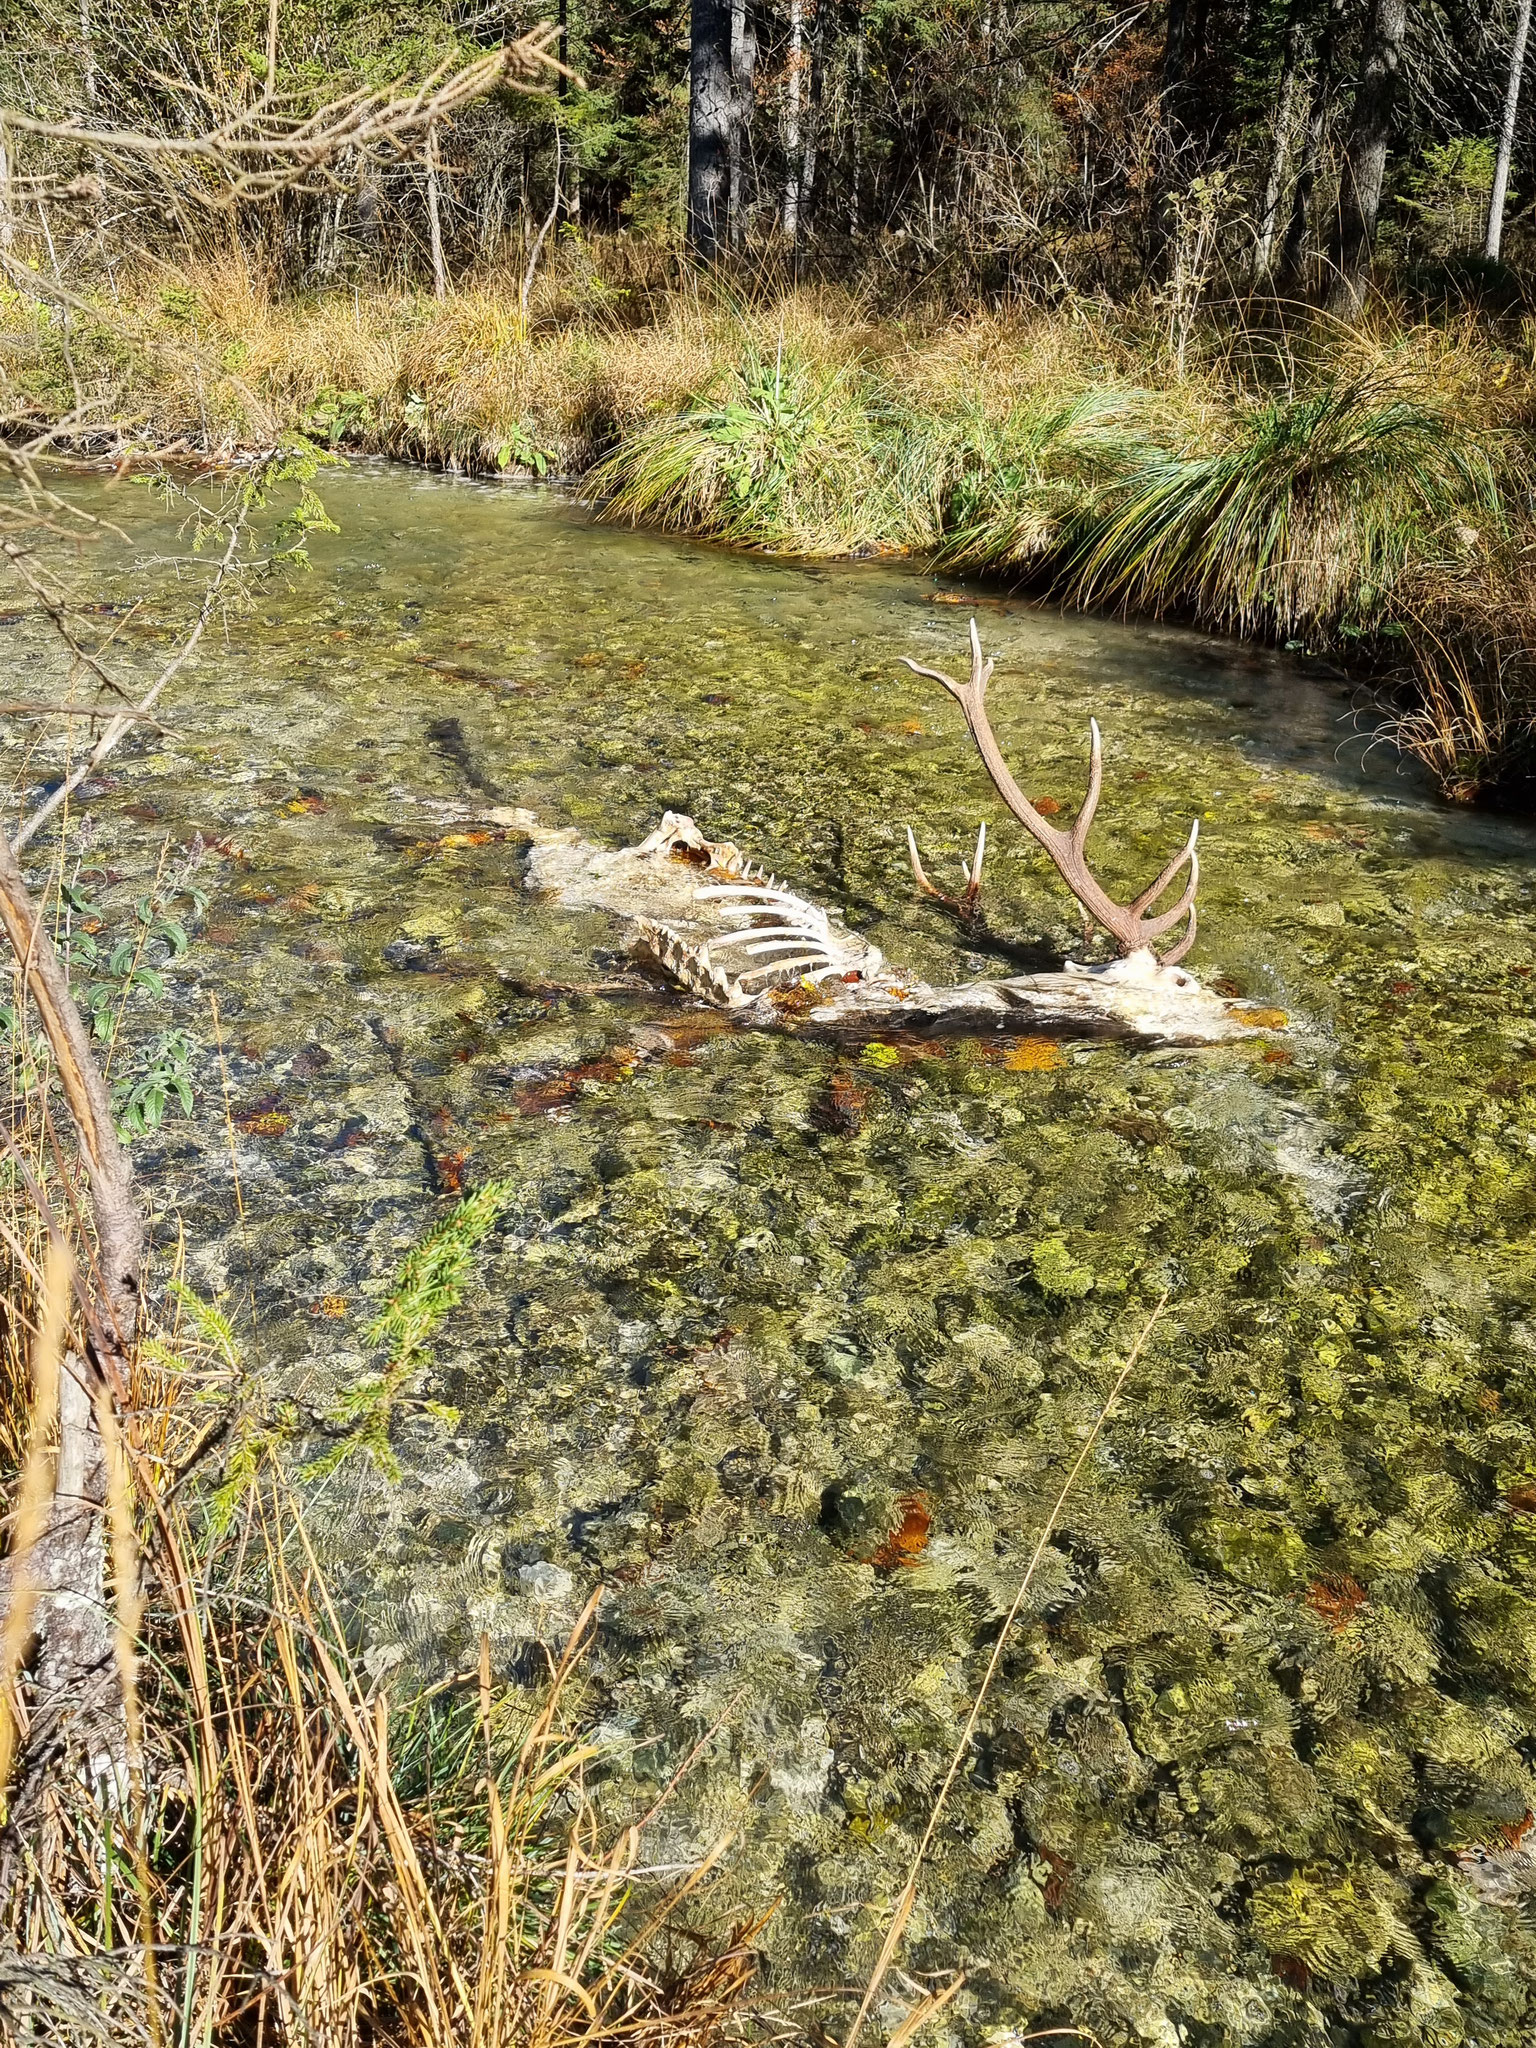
point(738, 937)
point(1128, 924)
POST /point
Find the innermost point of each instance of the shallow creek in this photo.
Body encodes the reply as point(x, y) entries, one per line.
point(790, 1347)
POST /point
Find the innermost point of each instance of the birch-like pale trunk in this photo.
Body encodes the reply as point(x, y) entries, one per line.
point(7, 217)
point(1280, 145)
point(792, 105)
point(815, 83)
point(856, 168)
point(743, 67)
point(434, 219)
point(1496, 198)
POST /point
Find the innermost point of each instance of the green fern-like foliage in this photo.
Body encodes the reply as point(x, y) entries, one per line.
point(431, 1283)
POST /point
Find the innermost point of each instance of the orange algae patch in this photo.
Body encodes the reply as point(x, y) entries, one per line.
point(1336, 1599)
point(267, 1123)
point(1034, 1056)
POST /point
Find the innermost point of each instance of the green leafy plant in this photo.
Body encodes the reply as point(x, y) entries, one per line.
point(431, 1283)
point(775, 450)
point(336, 416)
point(163, 1076)
point(520, 447)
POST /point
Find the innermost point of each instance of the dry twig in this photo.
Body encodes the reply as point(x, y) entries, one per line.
point(908, 1898)
point(276, 144)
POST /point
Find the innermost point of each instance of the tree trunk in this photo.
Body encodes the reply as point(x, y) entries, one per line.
point(74, 1670)
point(1365, 158)
point(817, 86)
point(7, 216)
point(856, 167)
point(1293, 253)
point(709, 125)
point(563, 91)
point(367, 206)
point(1495, 240)
point(743, 68)
point(1280, 144)
point(1171, 123)
point(434, 218)
point(792, 92)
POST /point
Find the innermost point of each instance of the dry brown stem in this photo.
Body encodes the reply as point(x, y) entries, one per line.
point(908, 1897)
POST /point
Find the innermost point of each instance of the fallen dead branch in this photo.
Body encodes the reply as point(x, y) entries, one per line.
point(276, 144)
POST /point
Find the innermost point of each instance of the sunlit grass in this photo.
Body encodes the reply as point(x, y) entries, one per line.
point(1359, 489)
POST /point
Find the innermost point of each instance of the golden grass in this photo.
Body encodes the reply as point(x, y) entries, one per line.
point(990, 437)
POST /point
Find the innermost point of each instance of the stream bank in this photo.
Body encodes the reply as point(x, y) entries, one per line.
point(1361, 493)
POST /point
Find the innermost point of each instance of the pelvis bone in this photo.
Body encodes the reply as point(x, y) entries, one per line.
point(738, 937)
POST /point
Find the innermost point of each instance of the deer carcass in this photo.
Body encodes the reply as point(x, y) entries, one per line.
point(738, 937)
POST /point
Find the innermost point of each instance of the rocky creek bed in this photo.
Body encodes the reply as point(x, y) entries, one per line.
point(790, 1346)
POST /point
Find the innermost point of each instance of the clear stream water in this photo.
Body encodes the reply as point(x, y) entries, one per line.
point(790, 1348)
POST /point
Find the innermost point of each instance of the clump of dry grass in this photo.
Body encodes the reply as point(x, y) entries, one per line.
point(297, 1857)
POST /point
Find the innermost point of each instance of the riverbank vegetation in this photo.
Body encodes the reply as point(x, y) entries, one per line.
point(1359, 490)
point(239, 1834)
point(1209, 310)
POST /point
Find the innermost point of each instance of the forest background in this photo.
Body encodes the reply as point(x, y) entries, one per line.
point(1207, 306)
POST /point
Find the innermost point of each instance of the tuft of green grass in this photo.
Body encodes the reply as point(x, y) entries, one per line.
point(776, 454)
point(1026, 489)
point(1308, 518)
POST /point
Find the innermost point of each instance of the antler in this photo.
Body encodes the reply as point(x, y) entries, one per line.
point(967, 907)
point(1127, 924)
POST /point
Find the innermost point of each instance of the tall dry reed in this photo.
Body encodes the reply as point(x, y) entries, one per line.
point(297, 1857)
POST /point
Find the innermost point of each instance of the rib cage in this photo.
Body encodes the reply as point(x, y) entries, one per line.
point(772, 934)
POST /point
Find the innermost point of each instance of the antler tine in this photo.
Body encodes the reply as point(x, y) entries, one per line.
point(1155, 927)
point(973, 872)
point(935, 675)
point(963, 906)
point(1172, 958)
point(1084, 818)
point(1187, 852)
point(918, 875)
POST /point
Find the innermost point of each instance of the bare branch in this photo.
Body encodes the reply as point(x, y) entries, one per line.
point(121, 721)
point(273, 146)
